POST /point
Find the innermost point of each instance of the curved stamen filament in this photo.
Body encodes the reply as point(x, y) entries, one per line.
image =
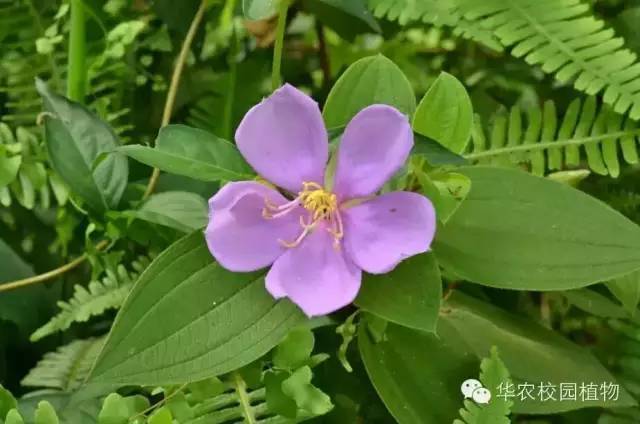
point(321, 205)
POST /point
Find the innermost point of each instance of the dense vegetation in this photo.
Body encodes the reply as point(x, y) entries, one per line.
point(117, 123)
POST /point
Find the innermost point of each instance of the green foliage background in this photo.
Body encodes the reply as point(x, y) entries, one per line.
point(525, 115)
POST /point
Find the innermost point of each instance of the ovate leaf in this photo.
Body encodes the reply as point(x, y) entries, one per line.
point(9, 167)
point(627, 290)
point(417, 375)
point(187, 319)
point(445, 113)
point(75, 139)
point(194, 153)
point(518, 231)
point(371, 80)
point(532, 353)
point(409, 295)
point(181, 210)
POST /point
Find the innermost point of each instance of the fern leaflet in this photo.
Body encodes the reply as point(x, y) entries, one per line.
point(562, 36)
point(66, 368)
point(545, 142)
point(493, 375)
point(108, 293)
point(436, 12)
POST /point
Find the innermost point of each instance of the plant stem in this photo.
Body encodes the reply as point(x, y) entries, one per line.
point(50, 274)
point(175, 82)
point(245, 402)
point(77, 72)
point(276, 79)
point(551, 144)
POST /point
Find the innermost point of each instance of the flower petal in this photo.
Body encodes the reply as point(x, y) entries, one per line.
point(316, 276)
point(238, 236)
point(381, 232)
point(284, 139)
point(374, 146)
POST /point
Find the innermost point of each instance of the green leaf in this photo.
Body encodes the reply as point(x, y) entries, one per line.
point(187, 319)
point(161, 416)
point(532, 353)
point(259, 9)
point(75, 139)
point(307, 397)
point(67, 368)
point(9, 167)
point(194, 153)
point(409, 295)
point(447, 191)
point(519, 231)
point(435, 153)
point(295, 349)
point(445, 113)
point(493, 375)
point(594, 303)
point(277, 401)
point(181, 210)
point(347, 18)
point(114, 410)
point(417, 375)
point(23, 307)
point(7, 402)
point(627, 290)
point(45, 414)
point(14, 417)
point(371, 80)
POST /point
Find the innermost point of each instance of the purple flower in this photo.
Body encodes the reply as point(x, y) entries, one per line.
point(319, 241)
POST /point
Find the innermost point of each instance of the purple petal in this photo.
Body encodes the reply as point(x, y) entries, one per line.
point(238, 236)
point(284, 139)
point(381, 232)
point(374, 146)
point(315, 275)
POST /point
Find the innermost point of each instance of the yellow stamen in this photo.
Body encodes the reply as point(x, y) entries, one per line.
point(322, 205)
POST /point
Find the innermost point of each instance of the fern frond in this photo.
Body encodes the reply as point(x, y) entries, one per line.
point(493, 375)
point(544, 142)
point(564, 38)
point(22, 23)
point(99, 296)
point(436, 12)
point(66, 368)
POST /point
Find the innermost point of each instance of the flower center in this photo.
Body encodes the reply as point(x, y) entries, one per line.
point(316, 200)
point(322, 206)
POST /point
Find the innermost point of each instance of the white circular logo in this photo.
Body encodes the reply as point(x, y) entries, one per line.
point(469, 386)
point(481, 395)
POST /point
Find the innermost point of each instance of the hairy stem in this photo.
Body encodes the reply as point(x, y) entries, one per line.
point(175, 82)
point(276, 79)
point(50, 274)
point(245, 402)
point(77, 70)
